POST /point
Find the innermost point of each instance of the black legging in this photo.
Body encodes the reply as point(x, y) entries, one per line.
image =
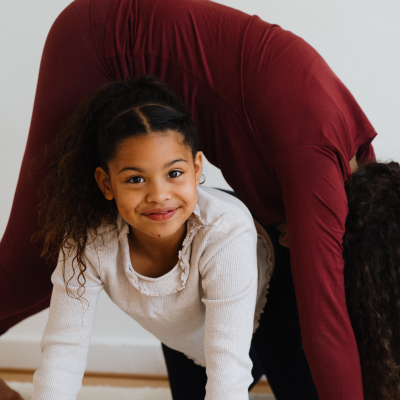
point(276, 348)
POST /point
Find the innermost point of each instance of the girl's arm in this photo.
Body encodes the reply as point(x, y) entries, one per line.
point(229, 280)
point(316, 208)
point(65, 341)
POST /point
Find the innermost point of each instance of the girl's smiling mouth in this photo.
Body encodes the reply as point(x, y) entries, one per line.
point(161, 214)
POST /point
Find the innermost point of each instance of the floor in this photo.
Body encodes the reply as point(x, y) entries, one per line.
point(119, 380)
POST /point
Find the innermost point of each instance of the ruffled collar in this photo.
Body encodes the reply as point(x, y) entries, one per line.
point(174, 280)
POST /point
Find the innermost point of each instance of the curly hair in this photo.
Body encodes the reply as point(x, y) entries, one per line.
point(371, 251)
point(72, 207)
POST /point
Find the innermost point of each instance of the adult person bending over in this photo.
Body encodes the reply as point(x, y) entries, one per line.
point(271, 115)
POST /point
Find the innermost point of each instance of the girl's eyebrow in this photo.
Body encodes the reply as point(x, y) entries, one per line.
point(168, 164)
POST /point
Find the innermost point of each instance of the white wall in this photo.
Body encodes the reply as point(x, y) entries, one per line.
point(360, 39)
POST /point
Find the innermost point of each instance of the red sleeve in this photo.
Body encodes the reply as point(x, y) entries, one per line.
point(312, 184)
point(366, 153)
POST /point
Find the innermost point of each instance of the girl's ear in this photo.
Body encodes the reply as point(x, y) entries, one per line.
point(198, 166)
point(104, 183)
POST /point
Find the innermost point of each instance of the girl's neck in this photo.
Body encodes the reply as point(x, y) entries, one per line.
point(156, 249)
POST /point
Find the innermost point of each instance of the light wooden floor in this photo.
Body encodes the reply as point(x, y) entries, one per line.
point(119, 380)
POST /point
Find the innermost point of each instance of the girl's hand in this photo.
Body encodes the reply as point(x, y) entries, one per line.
point(6, 393)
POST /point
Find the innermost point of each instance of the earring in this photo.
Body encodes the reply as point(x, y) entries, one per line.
point(204, 179)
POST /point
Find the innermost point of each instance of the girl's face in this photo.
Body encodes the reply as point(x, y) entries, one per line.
point(153, 180)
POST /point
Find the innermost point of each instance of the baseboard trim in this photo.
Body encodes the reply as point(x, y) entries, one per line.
point(137, 360)
point(110, 375)
point(134, 358)
point(107, 375)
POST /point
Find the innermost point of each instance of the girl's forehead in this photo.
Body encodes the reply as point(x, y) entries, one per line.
point(152, 150)
point(155, 143)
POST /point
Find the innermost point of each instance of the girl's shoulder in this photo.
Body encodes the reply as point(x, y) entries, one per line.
point(217, 207)
point(227, 228)
point(104, 238)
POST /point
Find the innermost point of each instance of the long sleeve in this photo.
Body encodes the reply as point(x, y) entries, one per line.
point(229, 281)
point(66, 338)
point(316, 208)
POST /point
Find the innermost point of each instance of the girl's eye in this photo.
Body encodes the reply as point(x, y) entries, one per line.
point(175, 174)
point(136, 179)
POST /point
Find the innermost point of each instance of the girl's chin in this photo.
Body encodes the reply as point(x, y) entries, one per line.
point(162, 230)
point(165, 231)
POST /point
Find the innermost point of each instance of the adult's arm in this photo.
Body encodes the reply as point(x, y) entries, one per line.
point(229, 280)
point(315, 201)
point(66, 338)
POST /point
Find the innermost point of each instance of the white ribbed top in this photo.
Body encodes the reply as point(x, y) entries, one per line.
point(207, 306)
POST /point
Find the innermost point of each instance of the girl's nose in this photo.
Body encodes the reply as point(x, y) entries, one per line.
point(158, 193)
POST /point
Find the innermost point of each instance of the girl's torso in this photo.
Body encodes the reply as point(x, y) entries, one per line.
point(171, 306)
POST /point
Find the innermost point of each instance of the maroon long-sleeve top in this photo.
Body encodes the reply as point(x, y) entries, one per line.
point(271, 115)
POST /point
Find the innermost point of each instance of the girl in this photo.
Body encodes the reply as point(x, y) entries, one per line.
point(124, 207)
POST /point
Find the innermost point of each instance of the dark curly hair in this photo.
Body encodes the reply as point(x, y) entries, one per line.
point(72, 206)
point(371, 251)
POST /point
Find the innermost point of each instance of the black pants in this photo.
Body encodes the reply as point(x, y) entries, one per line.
point(276, 348)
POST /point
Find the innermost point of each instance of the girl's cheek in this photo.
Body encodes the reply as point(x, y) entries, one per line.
point(125, 206)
